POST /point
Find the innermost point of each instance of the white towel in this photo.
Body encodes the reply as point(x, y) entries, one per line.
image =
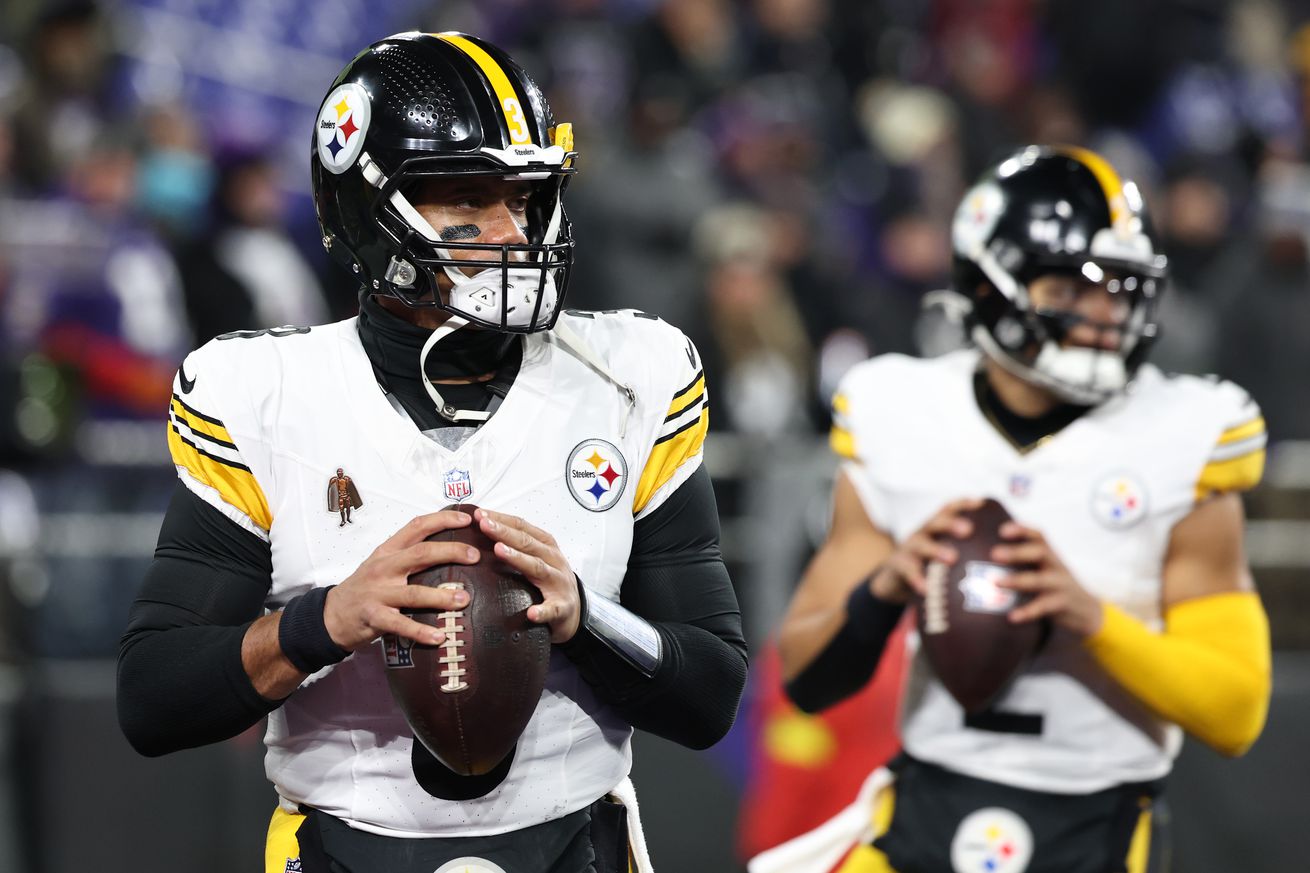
point(819, 850)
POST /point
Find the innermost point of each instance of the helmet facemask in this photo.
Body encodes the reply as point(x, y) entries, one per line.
point(514, 287)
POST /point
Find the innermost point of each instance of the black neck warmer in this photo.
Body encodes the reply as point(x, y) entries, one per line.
point(1021, 430)
point(393, 346)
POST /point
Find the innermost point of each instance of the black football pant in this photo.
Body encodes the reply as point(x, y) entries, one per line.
point(591, 840)
point(1119, 830)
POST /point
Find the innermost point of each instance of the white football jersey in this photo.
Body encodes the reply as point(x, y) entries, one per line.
point(1105, 491)
point(260, 424)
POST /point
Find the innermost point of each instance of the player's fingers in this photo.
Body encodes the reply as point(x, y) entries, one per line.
point(1012, 530)
point(427, 597)
point(392, 622)
point(422, 555)
point(534, 567)
point(518, 523)
point(422, 526)
point(1039, 607)
point(910, 569)
point(1027, 580)
point(1021, 553)
point(926, 548)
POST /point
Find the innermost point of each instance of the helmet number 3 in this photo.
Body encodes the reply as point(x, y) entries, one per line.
point(514, 120)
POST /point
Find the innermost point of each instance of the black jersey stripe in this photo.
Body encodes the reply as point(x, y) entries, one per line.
point(224, 461)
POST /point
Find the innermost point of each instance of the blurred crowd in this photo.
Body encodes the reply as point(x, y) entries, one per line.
point(775, 176)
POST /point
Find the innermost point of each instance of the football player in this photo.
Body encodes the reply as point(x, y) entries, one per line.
point(1124, 484)
point(438, 177)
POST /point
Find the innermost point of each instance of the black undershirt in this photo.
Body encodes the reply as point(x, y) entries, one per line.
point(1023, 432)
point(181, 682)
point(394, 345)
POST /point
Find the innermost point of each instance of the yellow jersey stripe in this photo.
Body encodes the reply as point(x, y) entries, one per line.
point(842, 442)
point(1242, 431)
point(841, 404)
point(515, 120)
point(696, 386)
point(1235, 474)
point(281, 845)
point(202, 424)
point(669, 454)
point(1139, 850)
point(1111, 184)
point(234, 482)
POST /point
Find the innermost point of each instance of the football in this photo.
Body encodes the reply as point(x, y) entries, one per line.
point(963, 617)
point(468, 699)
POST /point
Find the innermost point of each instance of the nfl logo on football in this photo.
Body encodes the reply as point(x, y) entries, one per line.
point(397, 651)
point(459, 484)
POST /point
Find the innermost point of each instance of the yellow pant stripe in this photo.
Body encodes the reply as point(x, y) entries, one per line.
point(282, 845)
point(1139, 850)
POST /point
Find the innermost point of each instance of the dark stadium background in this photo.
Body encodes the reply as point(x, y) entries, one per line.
point(774, 176)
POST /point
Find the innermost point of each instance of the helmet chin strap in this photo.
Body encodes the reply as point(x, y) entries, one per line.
point(1077, 375)
point(446, 410)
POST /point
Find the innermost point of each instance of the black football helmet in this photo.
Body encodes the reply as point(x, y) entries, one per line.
point(416, 105)
point(1056, 210)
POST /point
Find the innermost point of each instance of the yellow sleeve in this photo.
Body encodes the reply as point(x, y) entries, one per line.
point(681, 436)
point(1209, 672)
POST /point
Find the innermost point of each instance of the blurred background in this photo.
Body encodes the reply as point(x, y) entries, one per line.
point(773, 176)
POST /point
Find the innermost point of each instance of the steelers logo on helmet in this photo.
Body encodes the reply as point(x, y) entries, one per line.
point(342, 125)
point(596, 474)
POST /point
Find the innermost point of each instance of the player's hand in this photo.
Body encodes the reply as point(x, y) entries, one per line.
point(369, 602)
point(1040, 572)
point(902, 574)
point(536, 555)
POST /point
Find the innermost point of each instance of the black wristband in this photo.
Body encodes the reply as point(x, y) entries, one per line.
point(303, 635)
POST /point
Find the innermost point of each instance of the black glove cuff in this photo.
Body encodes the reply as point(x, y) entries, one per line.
point(303, 635)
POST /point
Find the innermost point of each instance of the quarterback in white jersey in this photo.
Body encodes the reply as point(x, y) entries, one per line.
point(579, 434)
point(1123, 485)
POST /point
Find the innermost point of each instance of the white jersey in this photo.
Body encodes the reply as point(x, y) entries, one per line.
point(260, 425)
point(1106, 492)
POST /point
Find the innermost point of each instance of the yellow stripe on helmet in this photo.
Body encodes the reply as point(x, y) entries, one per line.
point(516, 122)
point(1111, 184)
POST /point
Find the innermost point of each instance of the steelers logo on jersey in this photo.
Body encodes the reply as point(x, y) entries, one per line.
point(470, 865)
point(1119, 501)
point(342, 123)
point(596, 474)
point(992, 840)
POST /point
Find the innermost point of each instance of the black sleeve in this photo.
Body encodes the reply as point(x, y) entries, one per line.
point(849, 659)
point(181, 682)
point(677, 582)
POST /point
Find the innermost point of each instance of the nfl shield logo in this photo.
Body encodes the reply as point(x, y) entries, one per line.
point(459, 484)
